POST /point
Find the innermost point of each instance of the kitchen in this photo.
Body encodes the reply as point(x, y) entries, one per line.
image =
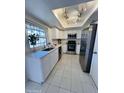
point(54, 51)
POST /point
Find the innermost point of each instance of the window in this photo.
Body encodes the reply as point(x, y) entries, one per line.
point(35, 30)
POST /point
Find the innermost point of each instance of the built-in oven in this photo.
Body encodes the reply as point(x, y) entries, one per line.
point(71, 46)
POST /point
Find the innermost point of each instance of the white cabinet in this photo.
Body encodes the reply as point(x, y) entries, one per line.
point(55, 33)
point(65, 34)
point(64, 48)
point(53, 58)
point(38, 69)
point(49, 62)
point(33, 69)
point(58, 34)
point(46, 66)
point(61, 34)
point(77, 49)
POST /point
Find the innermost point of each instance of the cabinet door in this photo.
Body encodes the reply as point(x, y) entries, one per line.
point(77, 49)
point(55, 33)
point(56, 55)
point(51, 60)
point(64, 48)
point(33, 69)
point(46, 66)
point(54, 58)
point(65, 34)
point(61, 34)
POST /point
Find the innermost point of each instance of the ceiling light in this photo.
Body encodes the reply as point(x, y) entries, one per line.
point(72, 19)
point(74, 16)
point(71, 15)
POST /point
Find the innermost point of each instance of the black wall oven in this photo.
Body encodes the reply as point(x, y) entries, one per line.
point(71, 46)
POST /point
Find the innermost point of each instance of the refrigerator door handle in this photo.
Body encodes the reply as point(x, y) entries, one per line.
point(94, 52)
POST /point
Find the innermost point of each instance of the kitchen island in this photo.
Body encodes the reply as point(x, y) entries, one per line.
point(39, 64)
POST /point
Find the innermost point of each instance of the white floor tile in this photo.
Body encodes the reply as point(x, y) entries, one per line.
point(88, 88)
point(32, 87)
point(52, 89)
point(63, 91)
point(66, 77)
point(56, 81)
point(66, 83)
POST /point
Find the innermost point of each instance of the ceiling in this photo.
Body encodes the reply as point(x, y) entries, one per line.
point(74, 16)
point(42, 9)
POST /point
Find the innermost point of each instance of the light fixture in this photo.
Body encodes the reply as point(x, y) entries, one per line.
point(71, 16)
point(76, 15)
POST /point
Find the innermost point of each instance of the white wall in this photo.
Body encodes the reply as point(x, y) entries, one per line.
point(94, 64)
point(49, 35)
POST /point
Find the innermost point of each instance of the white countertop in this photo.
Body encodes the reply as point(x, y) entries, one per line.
point(41, 54)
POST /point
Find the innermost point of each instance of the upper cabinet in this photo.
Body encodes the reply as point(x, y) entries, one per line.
point(61, 34)
point(57, 34)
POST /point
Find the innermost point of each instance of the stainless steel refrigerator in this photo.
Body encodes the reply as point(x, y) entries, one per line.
point(86, 50)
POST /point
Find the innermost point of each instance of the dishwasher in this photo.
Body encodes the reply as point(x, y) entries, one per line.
point(60, 53)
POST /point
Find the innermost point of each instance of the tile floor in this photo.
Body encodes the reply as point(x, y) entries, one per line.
point(66, 77)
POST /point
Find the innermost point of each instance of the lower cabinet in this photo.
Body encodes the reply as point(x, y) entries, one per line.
point(39, 69)
point(45, 66)
point(48, 62)
point(33, 70)
point(77, 49)
point(64, 48)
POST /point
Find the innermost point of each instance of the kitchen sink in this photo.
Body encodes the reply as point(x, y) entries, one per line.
point(48, 49)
